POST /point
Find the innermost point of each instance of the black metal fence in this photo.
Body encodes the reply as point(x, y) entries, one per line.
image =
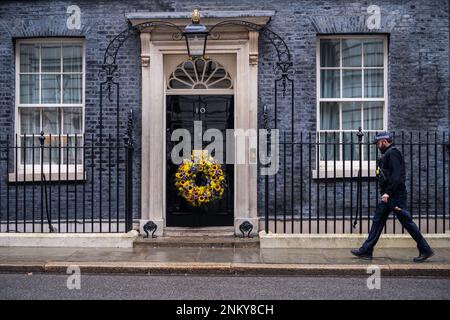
point(66, 183)
point(326, 183)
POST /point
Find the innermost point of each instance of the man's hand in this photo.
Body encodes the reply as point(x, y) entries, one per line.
point(385, 198)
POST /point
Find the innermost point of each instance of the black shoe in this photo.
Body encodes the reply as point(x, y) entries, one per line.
point(361, 254)
point(424, 256)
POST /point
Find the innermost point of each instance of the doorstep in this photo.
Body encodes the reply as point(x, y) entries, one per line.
point(199, 232)
point(197, 242)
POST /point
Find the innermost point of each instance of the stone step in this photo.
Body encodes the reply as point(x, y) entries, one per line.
point(198, 242)
point(199, 232)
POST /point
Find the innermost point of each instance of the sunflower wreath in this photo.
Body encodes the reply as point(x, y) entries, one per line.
point(200, 180)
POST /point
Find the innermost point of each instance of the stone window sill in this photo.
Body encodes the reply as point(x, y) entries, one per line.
point(342, 174)
point(20, 177)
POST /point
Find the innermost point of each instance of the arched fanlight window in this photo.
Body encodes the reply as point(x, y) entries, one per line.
point(200, 74)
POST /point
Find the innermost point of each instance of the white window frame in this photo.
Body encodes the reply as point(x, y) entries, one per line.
point(346, 165)
point(53, 168)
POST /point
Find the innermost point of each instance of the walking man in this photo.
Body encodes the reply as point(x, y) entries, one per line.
point(391, 177)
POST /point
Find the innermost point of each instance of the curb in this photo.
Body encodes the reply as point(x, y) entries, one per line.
point(22, 267)
point(397, 270)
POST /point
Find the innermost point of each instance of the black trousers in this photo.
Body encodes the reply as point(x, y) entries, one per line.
point(379, 221)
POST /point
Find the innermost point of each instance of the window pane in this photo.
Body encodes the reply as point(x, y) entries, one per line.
point(196, 44)
point(51, 58)
point(72, 120)
point(351, 115)
point(330, 83)
point(72, 88)
point(175, 84)
point(26, 152)
point(51, 88)
point(330, 150)
point(72, 58)
point(29, 121)
point(200, 65)
point(74, 150)
point(371, 149)
point(373, 53)
point(329, 116)
point(190, 74)
point(52, 149)
point(373, 115)
point(373, 83)
point(329, 53)
point(351, 83)
point(217, 77)
point(351, 146)
point(221, 84)
point(29, 88)
point(51, 121)
point(351, 53)
point(29, 58)
point(209, 68)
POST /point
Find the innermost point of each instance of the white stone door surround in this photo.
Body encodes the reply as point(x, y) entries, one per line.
point(237, 42)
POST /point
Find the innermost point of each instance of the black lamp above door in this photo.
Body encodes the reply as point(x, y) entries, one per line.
point(196, 35)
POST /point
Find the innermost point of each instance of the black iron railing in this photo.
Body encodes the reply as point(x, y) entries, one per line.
point(326, 183)
point(66, 183)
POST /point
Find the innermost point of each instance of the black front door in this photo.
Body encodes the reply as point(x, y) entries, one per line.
point(214, 111)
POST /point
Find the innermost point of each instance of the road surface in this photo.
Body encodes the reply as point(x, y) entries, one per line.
point(98, 286)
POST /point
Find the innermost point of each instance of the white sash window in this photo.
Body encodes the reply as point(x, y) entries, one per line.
point(50, 98)
point(351, 93)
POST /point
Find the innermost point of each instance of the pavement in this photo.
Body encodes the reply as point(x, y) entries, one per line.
point(240, 260)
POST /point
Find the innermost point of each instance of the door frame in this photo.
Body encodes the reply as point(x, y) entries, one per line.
point(153, 184)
